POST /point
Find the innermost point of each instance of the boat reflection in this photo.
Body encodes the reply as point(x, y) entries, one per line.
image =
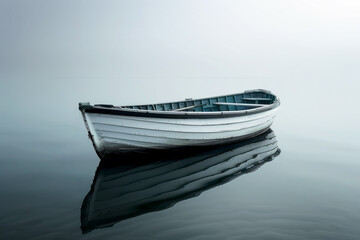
point(143, 183)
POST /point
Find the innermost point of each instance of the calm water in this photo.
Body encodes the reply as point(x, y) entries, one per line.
point(54, 188)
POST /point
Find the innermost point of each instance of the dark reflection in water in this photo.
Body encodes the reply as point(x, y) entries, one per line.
point(139, 184)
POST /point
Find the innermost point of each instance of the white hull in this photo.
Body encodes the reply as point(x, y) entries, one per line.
point(117, 133)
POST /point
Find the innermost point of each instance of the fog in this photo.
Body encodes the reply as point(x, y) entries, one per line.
point(54, 54)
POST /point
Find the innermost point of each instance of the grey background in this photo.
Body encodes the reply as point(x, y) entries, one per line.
point(54, 54)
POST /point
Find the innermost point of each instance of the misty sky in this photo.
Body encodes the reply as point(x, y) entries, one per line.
point(54, 54)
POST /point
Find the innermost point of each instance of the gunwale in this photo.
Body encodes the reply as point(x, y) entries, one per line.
point(126, 111)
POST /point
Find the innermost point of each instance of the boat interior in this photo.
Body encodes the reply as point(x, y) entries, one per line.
point(236, 102)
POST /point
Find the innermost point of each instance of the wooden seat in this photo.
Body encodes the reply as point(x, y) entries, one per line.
point(257, 99)
point(240, 104)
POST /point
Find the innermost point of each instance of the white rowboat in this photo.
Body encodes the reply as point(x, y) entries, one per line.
point(199, 122)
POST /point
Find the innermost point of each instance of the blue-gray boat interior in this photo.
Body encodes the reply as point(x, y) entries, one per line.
point(232, 105)
point(235, 102)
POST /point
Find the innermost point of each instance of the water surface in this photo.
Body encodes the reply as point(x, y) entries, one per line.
point(309, 191)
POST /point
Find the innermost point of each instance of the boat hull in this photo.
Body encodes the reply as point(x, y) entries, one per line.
point(112, 134)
